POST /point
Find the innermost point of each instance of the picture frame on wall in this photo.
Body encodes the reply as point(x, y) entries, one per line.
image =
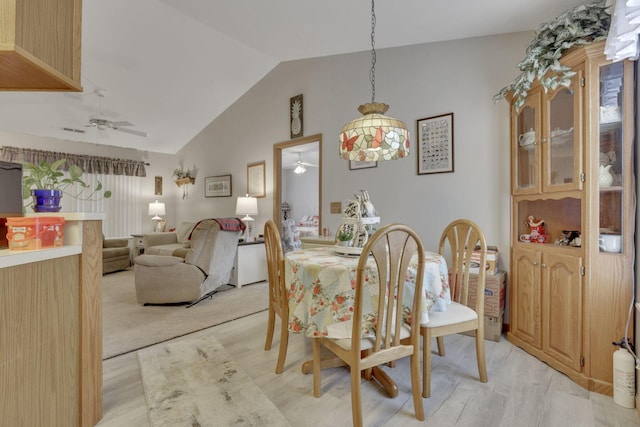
point(356, 164)
point(256, 186)
point(158, 186)
point(435, 144)
point(217, 186)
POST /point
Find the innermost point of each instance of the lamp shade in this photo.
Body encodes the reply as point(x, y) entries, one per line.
point(156, 208)
point(247, 206)
point(299, 170)
point(374, 136)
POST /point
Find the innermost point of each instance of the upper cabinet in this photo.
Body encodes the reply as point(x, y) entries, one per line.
point(40, 45)
point(548, 155)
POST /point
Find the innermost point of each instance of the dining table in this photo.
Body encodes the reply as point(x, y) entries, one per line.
point(320, 284)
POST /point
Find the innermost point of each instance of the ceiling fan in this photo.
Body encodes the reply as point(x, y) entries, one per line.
point(301, 166)
point(103, 123)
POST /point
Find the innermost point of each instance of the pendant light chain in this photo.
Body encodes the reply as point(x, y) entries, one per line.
point(372, 73)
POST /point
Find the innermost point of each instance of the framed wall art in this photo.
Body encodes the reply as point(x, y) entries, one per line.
point(158, 186)
point(435, 144)
point(217, 186)
point(355, 164)
point(255, 179)
point(295, 116)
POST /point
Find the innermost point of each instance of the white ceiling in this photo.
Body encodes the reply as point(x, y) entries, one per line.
point(172, 66)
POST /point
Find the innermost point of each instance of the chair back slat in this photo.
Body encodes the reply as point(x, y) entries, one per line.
point(275, 267)
point(460, 239)
point(392, 249)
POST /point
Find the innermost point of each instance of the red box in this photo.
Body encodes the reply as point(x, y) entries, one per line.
point(32, 233)
point(494, 292)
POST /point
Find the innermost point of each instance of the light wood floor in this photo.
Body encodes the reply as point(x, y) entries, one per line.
point(522, 391)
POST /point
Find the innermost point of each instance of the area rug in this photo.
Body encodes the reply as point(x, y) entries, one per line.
point(129, 326)
point(195, 382)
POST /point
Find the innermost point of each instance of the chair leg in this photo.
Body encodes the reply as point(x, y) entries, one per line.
point(356, 398)
point(270, 325)
point(415, 384)
point(440, 341)
point(482, 364)
point(426, 362)
point(284, 341)
point(316, 368)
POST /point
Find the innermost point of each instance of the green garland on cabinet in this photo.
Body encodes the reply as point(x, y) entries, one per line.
point(580, 26)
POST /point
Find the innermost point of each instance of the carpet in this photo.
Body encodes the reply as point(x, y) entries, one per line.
point(196, 382)
point(129, 326)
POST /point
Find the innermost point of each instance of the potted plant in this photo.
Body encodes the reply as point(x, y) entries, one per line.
point(344, 236)
point(46, 184)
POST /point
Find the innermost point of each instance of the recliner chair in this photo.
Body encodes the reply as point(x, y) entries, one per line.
point(163, 279)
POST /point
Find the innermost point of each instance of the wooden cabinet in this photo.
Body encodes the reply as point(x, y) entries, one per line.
point(569, 302)
point(40, 45)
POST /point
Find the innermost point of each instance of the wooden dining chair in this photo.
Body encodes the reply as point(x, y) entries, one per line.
point(457, 243)
point(278, 303)
point(391, 248)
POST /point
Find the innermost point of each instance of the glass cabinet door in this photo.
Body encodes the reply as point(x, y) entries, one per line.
point(611, 161)
point(526, 137)
point(561, 151)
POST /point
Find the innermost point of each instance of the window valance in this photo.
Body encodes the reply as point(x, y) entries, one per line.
point(89, 164)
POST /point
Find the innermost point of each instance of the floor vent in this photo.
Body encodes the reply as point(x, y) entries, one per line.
point(73, 130)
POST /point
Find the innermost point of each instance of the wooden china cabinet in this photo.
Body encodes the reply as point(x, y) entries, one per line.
point(572, 166)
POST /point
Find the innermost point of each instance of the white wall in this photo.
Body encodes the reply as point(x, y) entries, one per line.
point(417, 81)
point(301, 192)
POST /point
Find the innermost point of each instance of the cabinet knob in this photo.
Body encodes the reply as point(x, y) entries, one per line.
point(535, 262)
point(543, 140)
point(544, 265)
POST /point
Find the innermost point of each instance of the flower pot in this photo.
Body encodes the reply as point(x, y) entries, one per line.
point(46, 200)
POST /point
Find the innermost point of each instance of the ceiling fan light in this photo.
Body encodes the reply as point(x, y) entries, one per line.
point(299, 170)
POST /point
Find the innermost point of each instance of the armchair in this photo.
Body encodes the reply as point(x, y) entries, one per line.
point(116, 255)
point(163, 279)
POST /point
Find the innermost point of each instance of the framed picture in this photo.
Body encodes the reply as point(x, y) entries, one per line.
point(255, 179)
point(295, 116)
point(158, 186)
point(217, 186)
point(355, 164)
point(435, 144)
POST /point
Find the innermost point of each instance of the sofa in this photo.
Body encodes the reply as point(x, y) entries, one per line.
point(167, 279)
point(176, 243)
point(116, 255)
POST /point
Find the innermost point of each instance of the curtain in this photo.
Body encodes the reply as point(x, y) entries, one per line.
point(622, 41)
point(123, 211)
point(89, 164)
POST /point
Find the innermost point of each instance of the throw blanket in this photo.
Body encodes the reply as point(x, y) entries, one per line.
point(226, 224)
point(230, 224)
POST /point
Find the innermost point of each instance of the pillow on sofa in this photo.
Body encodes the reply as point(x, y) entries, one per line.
point(182, 233)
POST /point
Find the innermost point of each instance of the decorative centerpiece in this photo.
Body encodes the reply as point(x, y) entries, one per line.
point(357, 224)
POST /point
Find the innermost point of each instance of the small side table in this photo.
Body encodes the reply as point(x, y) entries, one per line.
point(138, 246)
point(250, 265)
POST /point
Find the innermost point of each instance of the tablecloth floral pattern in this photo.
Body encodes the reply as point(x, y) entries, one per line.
point(321, 289)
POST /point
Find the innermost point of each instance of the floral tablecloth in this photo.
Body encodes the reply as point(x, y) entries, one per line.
point(321, 289)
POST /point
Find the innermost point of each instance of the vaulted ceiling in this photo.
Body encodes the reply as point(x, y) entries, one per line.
point(171, 67)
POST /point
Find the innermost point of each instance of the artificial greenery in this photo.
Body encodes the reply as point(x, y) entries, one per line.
point(48, 176)
point(345, 235)
point(580, 26)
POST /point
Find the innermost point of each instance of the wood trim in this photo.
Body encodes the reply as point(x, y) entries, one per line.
point(277, 174)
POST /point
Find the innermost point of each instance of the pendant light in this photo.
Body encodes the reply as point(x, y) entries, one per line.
point(374, 136)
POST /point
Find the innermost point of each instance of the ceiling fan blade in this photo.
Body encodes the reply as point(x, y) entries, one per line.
point(308, 164)
point(131, 131)
point(119, 124)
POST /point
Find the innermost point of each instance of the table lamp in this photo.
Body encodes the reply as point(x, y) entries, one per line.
point(156, 208)
point(247, 206)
